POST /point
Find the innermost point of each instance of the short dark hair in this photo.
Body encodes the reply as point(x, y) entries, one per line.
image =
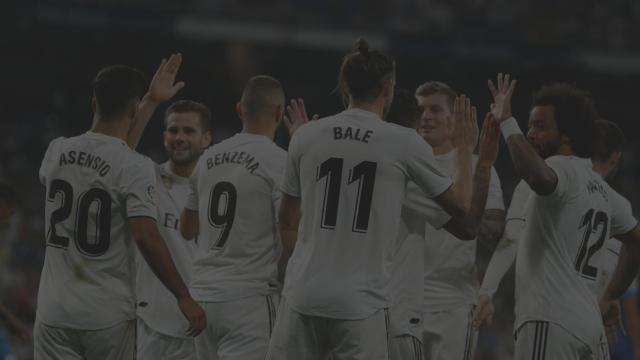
point(404, 109)
point(610, 139)
point(259, 92)
point(575, 115)
point(437, 87)
point(184, 106)
point(8, 194)
point(115, 87)
point(363, 72)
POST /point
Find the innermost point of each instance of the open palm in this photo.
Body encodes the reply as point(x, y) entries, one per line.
point(501, 107)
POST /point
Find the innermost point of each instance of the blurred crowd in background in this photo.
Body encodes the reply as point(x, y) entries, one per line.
point(53, 49)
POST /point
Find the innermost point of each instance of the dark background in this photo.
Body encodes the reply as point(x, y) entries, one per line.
point(50, 51)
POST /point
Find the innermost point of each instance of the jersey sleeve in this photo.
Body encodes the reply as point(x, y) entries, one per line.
point(503, 257)
point(622, 219)
point(291, 180)
point(138, 188)
point(494, 199)
point(48, 160)
point(518, 202)
point(418, 202)
point(192, 197)
point(421, 167)
point(563, 168)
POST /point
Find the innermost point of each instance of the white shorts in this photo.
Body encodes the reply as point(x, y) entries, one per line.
point(113, 343)
point(540, 340)
point(152, 345)
point(237, 330)
point(405, 347)
point(449, 335)
point(304, 337)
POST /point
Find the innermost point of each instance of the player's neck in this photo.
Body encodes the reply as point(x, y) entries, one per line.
point(182, 170)
point(566, 150)
point(444, 148)
point(376, 107)
point(118, 128)
point(257, 129)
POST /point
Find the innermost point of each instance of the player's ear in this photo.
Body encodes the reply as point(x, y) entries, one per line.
point(614, 159)
point(239, 109)
point(279, 113)
point(206, 139)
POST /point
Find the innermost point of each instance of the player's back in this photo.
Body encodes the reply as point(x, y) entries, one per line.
point(93, 183)
point(236, 183)
point(351, 171)
point(564, 233)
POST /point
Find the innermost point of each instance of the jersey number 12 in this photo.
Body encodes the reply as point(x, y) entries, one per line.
point(591, 221)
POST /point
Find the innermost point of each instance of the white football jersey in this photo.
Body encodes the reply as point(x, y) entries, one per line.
point(156, 305)
point(605, 260)
point(407, 276)
point(563, 234)
point(450, 273)
point(505, 253)
point(236, 191)
point(351, 171)
point(94, 182)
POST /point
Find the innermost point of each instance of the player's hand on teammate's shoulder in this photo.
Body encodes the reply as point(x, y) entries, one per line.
point(296, 115)
point(194, 314)
point(483, 312)
point(502, 93)
point(489, 140)
point(464, 127)
point(163, 85)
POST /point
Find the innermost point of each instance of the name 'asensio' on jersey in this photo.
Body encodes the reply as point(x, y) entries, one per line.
point(82, 158)
point(233, 157)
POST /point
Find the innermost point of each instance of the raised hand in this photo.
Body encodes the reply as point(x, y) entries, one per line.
point(501, 107)
point(296, 115)
point(163, 85)
point(483, 313)
point(194, 314)
point(464, 127)
point(489, 140)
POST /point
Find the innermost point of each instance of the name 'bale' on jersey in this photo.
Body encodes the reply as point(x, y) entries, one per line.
point(351, 171)
point(236, 190)
point(94, 182)
point(564, 230)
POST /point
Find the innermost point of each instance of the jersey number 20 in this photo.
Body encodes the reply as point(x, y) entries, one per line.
point(96, 196)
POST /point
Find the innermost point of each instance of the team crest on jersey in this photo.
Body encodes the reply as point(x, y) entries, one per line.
point(150, 190)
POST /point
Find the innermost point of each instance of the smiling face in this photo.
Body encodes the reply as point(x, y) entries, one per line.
point(184, 139)
point(435, 119)
point(543, 132)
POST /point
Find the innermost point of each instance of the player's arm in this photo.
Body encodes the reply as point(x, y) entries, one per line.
point(161, 89)
point(625, 272)
point(528, 164)
point(466, 225)
point(145, 233)
point(289, 215)
point(189, 224)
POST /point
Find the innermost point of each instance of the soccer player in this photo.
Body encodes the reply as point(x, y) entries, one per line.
point(405, 320)
point(569, 213)
point(343, 192)
point(450, 274)
point(160, 326)
point(232, 209)
point(100, 200)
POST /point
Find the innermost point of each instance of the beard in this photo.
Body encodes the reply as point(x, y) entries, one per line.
point(191, 156)
point(550, 148)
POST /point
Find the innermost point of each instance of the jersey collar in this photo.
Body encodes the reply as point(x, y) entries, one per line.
point(361, 113)
point(104, 137)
